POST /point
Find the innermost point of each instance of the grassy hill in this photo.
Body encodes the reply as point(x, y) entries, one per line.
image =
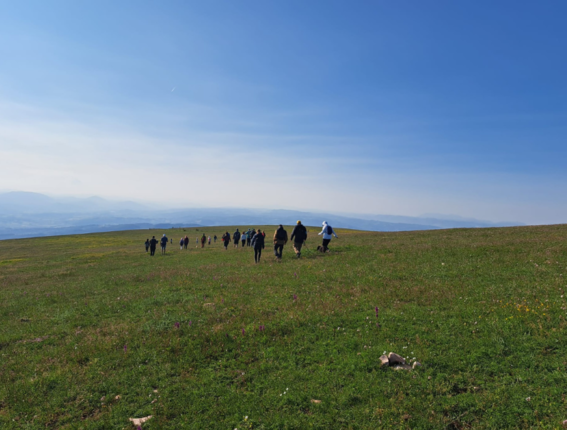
point(84, 319)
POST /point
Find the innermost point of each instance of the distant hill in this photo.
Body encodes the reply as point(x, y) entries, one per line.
point(24, 214)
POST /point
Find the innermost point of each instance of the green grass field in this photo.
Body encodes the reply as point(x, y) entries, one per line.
point(84, 319)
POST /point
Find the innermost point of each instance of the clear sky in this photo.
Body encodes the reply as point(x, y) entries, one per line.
point(380, 107)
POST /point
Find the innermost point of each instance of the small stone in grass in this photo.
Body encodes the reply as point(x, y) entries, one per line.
point(401, 367)
point(315, 401)
point(118, 397)
point(394, 358)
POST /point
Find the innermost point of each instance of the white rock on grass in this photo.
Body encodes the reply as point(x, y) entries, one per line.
point(384, 361)
point(139, 421)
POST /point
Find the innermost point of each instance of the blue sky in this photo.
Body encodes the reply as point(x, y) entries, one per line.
point(363, 107)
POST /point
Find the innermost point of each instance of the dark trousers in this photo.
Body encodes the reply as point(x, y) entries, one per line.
point(147, 247)
point(278, 250)
point(257, 254)
point(325, 244)
point(152, 250)
point(248, 239)
point(297, 247)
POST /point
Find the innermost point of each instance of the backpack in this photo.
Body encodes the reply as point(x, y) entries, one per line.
point(329, 229)
point(280, 234)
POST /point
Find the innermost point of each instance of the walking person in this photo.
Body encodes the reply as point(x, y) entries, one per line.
point(215, 238)
point(236, 238)
point(153, 244)
point(299, 236)
point(209, 240)
point(226, 240)
point(147, 244)
point(249, 236)
point(328, 234)
point(181, 244)
point(203, 240)
point(280, 239)
point(243, 239)
point(186, 242)
point(257, 243)
point(164, 241)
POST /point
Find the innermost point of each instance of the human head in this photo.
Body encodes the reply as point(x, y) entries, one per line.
point(153, 237)
point(324, 222)
point(298, 222)
point(164, 235)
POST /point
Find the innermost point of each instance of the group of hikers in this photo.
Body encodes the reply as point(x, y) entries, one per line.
point(255, 239)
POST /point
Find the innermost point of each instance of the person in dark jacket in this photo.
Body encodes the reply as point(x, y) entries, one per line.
point(164, 241)
point(226, 240)
point(280, 239)
point(147, 244)
point(299, 236)
point(215, 238)
point(203, 240)
point(236, 238)
point(257, 243)
point(185, 241)
point(153, 244)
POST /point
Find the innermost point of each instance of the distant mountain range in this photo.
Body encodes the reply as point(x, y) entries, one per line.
point(24, 214)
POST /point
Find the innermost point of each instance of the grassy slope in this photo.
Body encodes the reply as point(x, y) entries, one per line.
point(457, 300)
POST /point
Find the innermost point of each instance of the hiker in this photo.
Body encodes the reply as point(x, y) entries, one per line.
point(298, 235)
point(181, 243)
point(164, 241)
point(257, 243)
point(172, 240)
point(327, 233)
point(215, 238)
point(236, 238)
point(203, 240)
point(249, 236)
point(186, 242)
point(252, 233)
point(147, 244)
point(153, 244)
point(197, 241)
point(243, 239)
point(209, 240)
point(280, 239)
point(226, 240)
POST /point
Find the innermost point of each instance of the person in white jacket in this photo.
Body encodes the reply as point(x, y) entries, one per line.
point(327, 233)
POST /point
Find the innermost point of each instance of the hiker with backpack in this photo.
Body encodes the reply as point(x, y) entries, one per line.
point(153, 244)
point(164, 241)
point(280, 239)
point(299, 236)
point(215, 238)
point(327, 233)
point(243, 239)
point(257, 243)
point(181, 243)
point(203, 240)
point(236, 238)
point(249, 236)
point(226, 240)
point(185, 242)
point(147, 244)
